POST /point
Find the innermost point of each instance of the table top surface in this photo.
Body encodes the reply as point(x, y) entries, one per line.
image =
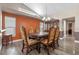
point(39, 34)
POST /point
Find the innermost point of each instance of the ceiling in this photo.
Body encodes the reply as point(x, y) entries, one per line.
point(39, 10)
point(55, 10)
point(18, 9)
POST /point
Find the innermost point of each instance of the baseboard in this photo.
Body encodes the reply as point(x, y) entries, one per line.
point(76, 41)
point(61, 38)
point(16, 40)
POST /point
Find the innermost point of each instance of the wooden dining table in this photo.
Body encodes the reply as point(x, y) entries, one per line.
point(38, 36)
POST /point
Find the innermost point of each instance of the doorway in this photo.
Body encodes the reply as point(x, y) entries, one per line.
point(70, 25)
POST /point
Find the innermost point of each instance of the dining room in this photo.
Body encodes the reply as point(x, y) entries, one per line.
point(38, 29)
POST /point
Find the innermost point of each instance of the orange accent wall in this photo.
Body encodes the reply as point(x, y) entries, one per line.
point(26, 21)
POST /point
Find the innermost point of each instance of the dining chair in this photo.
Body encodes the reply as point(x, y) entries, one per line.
point(28, 44)
point(37, 30)
point(57, 36)
point(47, 43)
point(31, 30)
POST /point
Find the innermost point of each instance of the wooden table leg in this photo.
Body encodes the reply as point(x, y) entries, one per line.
point(38, 45)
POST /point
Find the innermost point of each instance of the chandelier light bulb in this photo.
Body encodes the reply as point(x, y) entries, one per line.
point(43, 18)
point(48, 18)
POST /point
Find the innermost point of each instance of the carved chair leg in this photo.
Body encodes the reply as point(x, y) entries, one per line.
point(23, 48)
point(53, 45)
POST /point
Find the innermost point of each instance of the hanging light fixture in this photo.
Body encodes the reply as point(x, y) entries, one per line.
point(46, 18)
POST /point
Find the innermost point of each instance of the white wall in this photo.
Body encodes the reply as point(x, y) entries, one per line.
point(0, 29)
point(0, 19)
point(61, 24)
point(77, 24)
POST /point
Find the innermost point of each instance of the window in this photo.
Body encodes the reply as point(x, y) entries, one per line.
point(10, 25)
point(41, 26)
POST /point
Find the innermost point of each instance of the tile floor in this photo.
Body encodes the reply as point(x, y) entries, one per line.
point(68, 46)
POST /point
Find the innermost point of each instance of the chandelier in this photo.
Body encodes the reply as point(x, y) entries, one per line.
point(46, 18)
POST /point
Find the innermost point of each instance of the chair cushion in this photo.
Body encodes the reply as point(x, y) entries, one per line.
point(32, 42)
point(45, 41)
